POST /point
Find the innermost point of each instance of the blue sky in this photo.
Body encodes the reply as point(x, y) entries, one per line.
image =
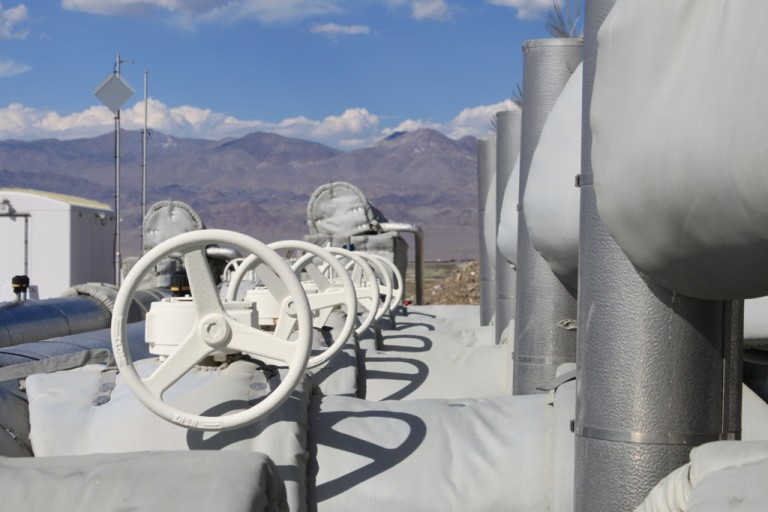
point(342, 72)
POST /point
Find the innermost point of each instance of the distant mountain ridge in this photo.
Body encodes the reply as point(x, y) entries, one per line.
point(259, 184)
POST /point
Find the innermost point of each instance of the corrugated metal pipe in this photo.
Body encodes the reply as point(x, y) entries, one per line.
point(656, 370)
point(418, 235)
point(486, 213)
point(546, 307)
point(507, 150)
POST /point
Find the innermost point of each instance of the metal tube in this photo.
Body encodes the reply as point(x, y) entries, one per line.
point(508, 124)
point(486, 178)
point(650, 363)
point(144, 163)
point(546, 308)
point(418, 236)
point(117, 186)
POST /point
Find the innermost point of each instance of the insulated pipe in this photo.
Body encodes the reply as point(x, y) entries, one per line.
point(546, 308)
point(507, 149)
point(486, 178)
point(35, 320)
point(652, 367)
point(418, 236)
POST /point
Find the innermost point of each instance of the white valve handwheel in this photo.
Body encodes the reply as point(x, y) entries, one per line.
point(366, 285)
point(328, 296)
point(384, 280)
point(398, 285)
point(214, 330)
point(231, 266)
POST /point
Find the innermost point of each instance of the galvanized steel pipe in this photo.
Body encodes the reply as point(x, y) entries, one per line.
point(654, 368)
point(507, 150)
point(486, 180)
point(546, 308)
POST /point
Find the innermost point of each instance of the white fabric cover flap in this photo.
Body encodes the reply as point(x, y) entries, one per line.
point(483, 371)
point(551, 201)
point(341, 209)
point(64, 421)
point(679, 149)
point(143, 482)
point(429, 455)
point(506, 238)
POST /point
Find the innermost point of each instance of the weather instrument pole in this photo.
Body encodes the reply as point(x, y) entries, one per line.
point(144, 163)
point(113, 92)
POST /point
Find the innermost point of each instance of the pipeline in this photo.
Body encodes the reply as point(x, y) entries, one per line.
point(83, 308)
point(418, 235)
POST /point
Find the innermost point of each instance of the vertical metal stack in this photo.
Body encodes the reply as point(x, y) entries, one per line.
point(507, 150)
point(486, 180)
point(546, 308)
point(656, 370)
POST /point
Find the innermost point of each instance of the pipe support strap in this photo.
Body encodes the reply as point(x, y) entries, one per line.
point(675, 438)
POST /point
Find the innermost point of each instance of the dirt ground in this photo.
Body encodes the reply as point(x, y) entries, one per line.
point(449, 282)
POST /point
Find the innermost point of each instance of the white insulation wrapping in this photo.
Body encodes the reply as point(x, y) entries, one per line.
point(551, 201)
point(679, 154)
point(506, 238)
point(725, 475)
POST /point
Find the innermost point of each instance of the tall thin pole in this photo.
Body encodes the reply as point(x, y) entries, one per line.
point(117, 184)
point(144, 162)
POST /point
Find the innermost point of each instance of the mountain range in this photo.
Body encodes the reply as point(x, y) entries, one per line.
point(260, 184)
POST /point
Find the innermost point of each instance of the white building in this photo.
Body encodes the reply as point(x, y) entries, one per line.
point(57, 240)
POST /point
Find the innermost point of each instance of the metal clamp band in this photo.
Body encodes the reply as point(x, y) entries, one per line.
point(582, 180)
point(678, 438)
point(504, 296)
point(541, 360)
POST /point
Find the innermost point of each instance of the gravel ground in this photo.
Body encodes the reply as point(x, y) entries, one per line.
point(461, 287)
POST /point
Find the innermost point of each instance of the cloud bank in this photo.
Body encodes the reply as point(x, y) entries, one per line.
point(353, 128)
point(194, 12)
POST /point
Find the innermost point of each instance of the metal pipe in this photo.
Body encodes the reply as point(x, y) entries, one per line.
point(87, 308)
point(651, 364)
point(508, 125)
point(144, 162)
point(546, 308)
point(486, 179)
point(418, 236)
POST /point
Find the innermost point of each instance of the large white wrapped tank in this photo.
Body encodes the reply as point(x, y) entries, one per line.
point(679, 149)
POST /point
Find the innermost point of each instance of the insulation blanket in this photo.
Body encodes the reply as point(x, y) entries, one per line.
point(427, 455)
point(64, 421)
point(551, 202)
point(724, 475)
point(143, 482)
point(679, 149)
point(435, 372)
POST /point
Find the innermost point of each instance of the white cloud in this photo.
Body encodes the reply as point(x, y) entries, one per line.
point(430, 10)
point(475, 121)
point(9, 67)
point(193, 12)
point(354, 128)
point(190, 13)
point(526, 9)
point(9, 18)
point(332, 29)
